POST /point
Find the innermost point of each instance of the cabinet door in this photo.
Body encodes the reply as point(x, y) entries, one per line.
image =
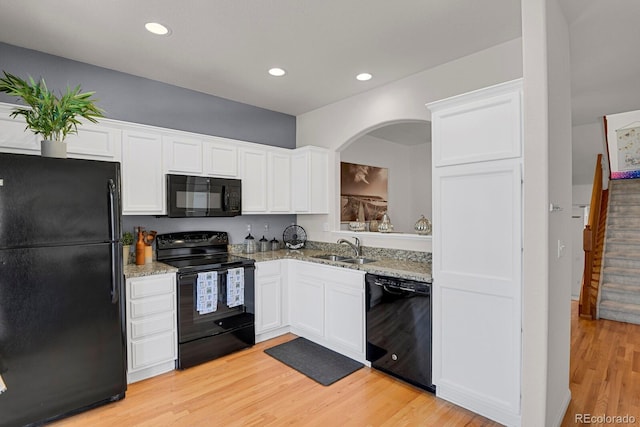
point(220, 158)
point(307, 305)
point(143, 184)
point(279, 182)
point(269, 303)
point(300, 182)
point(13, 136)
point(182, 155)
point(254, 180)
point(310, 180)
point(478, 127)
point(95, 141)
point(344, 318)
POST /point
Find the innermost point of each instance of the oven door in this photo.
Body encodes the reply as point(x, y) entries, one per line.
point(192, 325)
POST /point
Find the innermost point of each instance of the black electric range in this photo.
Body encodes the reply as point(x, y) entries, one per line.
point(216, 295)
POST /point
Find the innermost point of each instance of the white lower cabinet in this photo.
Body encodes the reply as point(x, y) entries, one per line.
point(307, 303)
point(327, 307)
point(344, 314)
point(271, 302)
point(152, 340)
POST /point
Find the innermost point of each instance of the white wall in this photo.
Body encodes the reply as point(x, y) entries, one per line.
point(588, 142)
point(420, 182)
point(581, 194)
point(409, 176)
point(535, 290)
point(336, 125)
point(560, 192)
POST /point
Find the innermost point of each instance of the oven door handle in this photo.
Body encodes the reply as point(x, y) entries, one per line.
point(182, 276)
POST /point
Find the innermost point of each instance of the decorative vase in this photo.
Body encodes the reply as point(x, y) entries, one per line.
point(385, 226)
point(423, 226)
point(55, 149)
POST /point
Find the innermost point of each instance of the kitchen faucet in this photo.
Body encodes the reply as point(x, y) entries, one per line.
point(356, 247)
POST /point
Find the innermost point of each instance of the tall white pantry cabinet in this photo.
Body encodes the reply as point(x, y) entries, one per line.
point(477, 250)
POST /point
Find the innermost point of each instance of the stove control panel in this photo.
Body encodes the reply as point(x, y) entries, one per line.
point(185, 239)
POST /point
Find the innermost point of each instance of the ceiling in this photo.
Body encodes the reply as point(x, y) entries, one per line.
point(225, 47)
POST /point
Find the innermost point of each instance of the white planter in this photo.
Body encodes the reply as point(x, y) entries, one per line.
point(126, 254)
point(53, 149)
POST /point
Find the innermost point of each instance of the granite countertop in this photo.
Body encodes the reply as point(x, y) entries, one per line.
point(413, 270)
point(133, 270)
point(385, 266)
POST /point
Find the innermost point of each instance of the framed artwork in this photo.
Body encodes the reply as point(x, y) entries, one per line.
point(623, 144)
point(363, 192)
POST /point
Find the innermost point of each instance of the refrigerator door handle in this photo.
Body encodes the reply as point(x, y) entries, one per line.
point(116, 244)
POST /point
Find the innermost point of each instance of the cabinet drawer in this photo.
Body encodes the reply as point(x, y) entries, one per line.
point(268, 268)
point(153, 305)
point(150, 351)
point(149, 326)
point(152, 285)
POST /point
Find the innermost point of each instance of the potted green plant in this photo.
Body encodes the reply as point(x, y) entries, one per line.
point(127, 241)
point(50, 116)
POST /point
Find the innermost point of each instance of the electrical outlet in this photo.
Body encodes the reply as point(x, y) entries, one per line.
point(325, 226)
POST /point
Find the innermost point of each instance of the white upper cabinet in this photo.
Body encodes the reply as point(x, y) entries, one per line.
point(13, 136)
point(182, 154)
point(97, 141)
point(220, 157)
point(486, 126)
point(279, 181)
point(310, 180)
point(274, 180)
point(253, 162)
point(143, 180)
point(266, 179)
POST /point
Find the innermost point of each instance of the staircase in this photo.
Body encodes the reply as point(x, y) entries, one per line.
point(620, 291)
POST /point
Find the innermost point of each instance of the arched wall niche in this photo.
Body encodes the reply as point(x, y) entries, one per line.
point(398, 152)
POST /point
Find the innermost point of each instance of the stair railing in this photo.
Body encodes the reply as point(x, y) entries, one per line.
point(587, 307)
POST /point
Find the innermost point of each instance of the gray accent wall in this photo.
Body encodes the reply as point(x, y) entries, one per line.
point(140, 100)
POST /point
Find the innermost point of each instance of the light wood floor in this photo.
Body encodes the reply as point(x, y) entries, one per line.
point(251, 388)
point(605, 369)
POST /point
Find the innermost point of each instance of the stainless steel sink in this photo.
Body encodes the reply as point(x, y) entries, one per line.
point(332, 257)
point(359, 260)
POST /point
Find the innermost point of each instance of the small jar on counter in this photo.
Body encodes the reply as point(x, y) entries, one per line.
point(264, 244)
point(275, 244)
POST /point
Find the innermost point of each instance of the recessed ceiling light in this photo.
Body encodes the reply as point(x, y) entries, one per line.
point(156, 28)
point(278, 72)
point(363, 77)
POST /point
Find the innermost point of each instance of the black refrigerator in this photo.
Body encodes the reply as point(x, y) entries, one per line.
point(62, 337)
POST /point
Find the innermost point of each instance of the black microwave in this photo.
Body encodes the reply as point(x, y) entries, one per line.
point(201, 196)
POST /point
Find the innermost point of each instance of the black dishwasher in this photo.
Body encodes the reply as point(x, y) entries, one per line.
point(399, 334)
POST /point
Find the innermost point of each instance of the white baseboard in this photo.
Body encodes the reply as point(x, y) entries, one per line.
point(563, 410)
point(478, 405)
